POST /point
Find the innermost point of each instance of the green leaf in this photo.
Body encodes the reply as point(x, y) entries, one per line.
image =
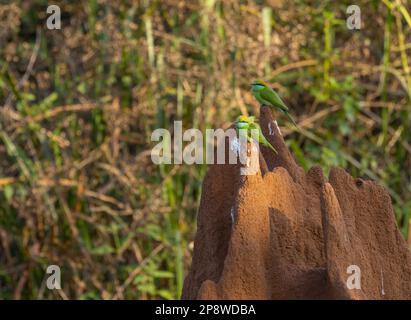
point(8, 192)
point(102, 250)
point(147, 288)
point(165, 294)
point(162, 274)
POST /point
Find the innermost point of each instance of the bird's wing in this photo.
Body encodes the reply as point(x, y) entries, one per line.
point(252, 126)
point(262, 138)
point(272, 96)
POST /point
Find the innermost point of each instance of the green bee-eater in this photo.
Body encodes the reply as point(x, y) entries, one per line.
point(248, 123)
point(266, 96)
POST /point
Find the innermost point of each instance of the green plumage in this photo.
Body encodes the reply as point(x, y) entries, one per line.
point(247, 123)
point(266, 96)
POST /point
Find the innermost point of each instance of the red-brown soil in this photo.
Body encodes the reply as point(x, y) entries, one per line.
point(295, 234)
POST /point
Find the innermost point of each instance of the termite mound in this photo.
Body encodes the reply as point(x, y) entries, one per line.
point(287, 234)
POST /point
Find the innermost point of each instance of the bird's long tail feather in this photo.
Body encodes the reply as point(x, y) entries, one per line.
point(272, 148)
point(267, 143)
point(291, 119)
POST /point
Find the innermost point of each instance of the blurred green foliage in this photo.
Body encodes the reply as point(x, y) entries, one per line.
point(77, 185)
